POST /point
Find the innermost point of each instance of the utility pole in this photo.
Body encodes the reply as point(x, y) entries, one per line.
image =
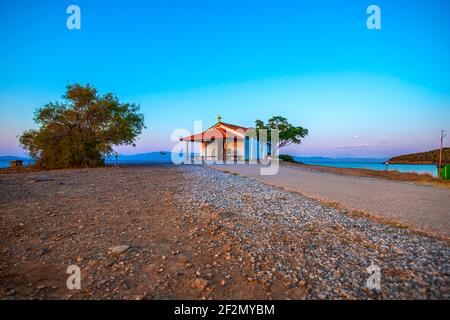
point(440, 153)
point(116, 155)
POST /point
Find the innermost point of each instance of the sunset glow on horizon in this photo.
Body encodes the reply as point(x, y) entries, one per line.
point(360, 92)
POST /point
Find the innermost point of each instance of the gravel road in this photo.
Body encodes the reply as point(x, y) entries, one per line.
point(423, 206)
point(313, 249)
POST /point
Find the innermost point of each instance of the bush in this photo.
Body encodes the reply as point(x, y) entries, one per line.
point(288, 158)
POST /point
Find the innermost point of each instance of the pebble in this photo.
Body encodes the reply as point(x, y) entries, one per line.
point(306, 244)
point(200, 283)
point(120, 249)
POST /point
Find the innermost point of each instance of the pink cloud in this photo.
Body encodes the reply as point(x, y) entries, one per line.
point(360, 145)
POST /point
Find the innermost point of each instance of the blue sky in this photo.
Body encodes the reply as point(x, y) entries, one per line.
point(360, 92)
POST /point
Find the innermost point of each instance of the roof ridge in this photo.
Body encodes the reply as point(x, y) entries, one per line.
point(232, 125)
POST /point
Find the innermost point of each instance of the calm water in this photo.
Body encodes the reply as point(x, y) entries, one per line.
point(417, 168)
point(5, 163)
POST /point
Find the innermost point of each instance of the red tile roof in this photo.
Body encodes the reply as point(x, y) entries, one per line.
point(234, 127)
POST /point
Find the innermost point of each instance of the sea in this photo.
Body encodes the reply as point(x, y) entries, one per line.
point(416, 168)
point(5, 163)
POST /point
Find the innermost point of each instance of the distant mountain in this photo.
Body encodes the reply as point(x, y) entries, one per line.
point(162, 156)
point(429, 157)
point(166, 156)
point(339, 160)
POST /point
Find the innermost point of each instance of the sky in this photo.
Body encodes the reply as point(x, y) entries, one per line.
point(360, 92)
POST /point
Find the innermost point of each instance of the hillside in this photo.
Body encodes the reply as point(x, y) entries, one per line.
point(429, 157)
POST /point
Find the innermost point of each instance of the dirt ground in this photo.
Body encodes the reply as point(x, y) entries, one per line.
point(51, 220)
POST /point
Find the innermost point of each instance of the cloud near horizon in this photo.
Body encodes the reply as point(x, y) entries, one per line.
point(361, 145)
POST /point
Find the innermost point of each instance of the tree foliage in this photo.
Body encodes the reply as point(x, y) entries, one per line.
point(288, 133)
point(82, 129)
point(289, 158)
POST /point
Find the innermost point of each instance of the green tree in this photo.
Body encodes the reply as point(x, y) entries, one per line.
point(288, 133)
point(82, 129)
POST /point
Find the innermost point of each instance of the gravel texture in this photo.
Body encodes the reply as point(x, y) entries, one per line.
point(422, 206)
point(310, 247)
point(191, 232)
